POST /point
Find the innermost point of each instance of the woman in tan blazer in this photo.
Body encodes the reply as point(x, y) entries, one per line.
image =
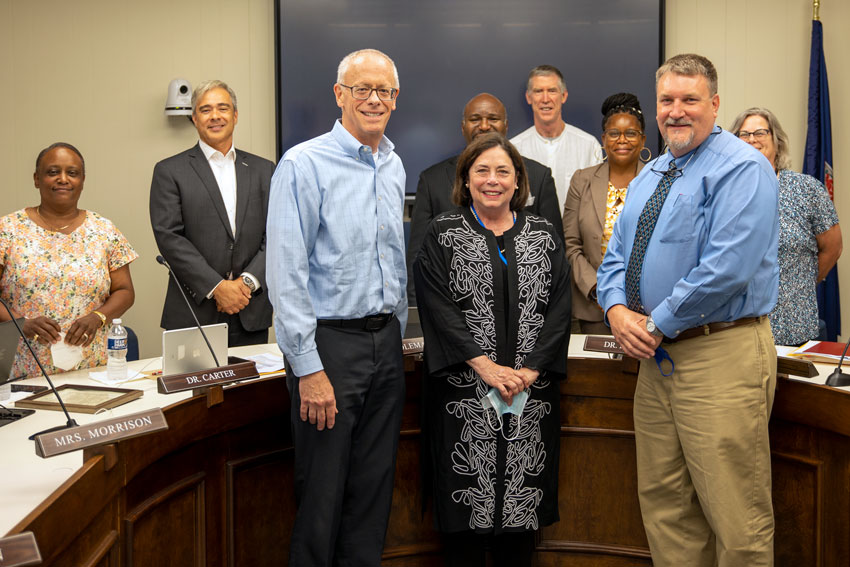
point(595, 199)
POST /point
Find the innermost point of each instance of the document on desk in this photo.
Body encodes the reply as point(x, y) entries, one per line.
point(267, 363)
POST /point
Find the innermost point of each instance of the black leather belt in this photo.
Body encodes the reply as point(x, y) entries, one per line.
point(370, 323)
point(703, 330)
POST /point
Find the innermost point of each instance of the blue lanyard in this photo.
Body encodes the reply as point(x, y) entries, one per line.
point(660, 356)
point(474, 212)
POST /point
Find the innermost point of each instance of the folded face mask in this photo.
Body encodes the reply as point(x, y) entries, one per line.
point(66, 356)
point(493, 400)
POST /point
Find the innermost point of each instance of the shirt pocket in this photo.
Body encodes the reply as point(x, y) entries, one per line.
point(680, 225)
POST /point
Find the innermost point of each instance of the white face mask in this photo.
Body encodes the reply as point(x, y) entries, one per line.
point(493, 400)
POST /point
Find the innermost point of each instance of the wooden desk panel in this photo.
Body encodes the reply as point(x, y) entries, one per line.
point(216, 489)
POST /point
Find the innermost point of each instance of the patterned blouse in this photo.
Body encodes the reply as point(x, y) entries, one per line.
point(805, 211)
point(613, 207)
point(61, 276)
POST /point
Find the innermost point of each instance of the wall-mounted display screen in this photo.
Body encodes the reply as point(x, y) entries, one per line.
point(447, 51)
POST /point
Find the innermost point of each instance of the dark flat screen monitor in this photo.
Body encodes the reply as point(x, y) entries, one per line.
point(447, 51)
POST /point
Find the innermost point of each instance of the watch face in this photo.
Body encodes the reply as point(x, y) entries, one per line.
point(650, 325)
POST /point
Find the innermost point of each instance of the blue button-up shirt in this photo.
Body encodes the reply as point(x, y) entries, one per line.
point(713, 254)
point(335, 239)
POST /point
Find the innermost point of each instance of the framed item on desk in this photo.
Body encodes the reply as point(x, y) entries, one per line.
point(80, 399)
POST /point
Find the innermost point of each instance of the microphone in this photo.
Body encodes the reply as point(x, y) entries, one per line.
point(70, 422)
point(162, 261)
point(838, 378)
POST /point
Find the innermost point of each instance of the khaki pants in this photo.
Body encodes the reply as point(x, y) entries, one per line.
point(703, 453)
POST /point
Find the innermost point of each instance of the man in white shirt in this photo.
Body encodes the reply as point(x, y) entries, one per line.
point(208, 208)
point(551, 141)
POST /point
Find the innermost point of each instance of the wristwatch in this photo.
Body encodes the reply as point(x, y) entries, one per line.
point(651, 328)
point(250, 283)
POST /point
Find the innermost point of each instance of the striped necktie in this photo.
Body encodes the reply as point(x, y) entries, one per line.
point(645, 226)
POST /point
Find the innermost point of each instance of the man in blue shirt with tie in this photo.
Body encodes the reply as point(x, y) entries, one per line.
point(691, 274)
point(337, 277)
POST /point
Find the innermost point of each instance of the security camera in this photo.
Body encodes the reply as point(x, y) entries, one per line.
point(179, 101)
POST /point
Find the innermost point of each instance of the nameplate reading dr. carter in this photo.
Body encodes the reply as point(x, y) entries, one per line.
point(19, 550)
point(238, 369)
point(100, 433)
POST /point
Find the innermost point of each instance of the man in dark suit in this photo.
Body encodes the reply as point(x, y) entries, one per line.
point(208, 209)
point(483, 113)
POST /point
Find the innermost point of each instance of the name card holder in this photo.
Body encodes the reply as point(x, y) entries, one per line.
point(100, 433)
point(19, 550)
point(607, 344)
point(412, 346)
point(237, 369)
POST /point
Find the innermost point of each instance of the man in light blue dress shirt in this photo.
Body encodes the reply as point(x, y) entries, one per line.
point(709, 277)
point(337, 279)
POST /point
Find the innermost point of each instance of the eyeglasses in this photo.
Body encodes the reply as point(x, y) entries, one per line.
point(759, 134)
point(631, 135)
point(363, 93)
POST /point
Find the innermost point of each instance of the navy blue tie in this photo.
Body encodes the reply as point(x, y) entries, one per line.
point(645, 226)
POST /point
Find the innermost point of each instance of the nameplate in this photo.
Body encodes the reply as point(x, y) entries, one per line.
point(795, 367)
point(100, 433)
point(19, 550)
point(602, 344)
point(412, 346)
point(237, 369)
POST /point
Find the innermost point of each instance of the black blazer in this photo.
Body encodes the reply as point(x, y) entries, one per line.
point(193, 234)
point(434, 196)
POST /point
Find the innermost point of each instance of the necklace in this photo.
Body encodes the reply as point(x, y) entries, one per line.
point(474, 212)
point(55, 228)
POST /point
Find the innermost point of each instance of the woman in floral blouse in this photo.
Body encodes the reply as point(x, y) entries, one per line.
point(809, 235)
point(64, 269)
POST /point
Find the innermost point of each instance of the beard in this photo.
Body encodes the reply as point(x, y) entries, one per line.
point(679, 144)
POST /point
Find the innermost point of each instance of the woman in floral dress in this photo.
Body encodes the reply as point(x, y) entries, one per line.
point(62, 268)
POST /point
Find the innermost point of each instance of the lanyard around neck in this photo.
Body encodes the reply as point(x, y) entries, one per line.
point(474, 212)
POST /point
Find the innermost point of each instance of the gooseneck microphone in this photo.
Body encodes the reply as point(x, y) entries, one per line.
point(838, 378)
point(162, 261)
point(70, 422)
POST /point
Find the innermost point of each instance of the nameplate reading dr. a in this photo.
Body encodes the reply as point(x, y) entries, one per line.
point(100, 433)
point(602, 344)
point(19, 550)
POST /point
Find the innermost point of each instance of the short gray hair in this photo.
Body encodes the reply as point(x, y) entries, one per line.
point(207, 86)
point(690, 64)
point(346, 62)
point(545, 71)
point(780, 138)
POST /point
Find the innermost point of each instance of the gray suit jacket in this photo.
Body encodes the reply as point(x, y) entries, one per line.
point(584, 219)
point(193, 233)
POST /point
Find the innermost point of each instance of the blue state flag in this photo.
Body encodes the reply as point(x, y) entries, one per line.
point(818, 163)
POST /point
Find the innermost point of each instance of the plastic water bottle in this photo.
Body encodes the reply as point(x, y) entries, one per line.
point(116, 348)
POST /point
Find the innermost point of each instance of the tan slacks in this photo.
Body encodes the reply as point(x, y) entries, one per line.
point(703, 453)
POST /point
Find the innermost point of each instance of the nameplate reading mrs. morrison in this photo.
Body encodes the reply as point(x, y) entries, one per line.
point(238, 369)
point(100, 433)
point(19, 550)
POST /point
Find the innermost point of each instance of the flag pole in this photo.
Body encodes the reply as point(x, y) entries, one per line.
point(816, 10)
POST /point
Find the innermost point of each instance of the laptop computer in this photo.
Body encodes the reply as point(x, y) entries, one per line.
point(9, 338)
point(184, 350)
